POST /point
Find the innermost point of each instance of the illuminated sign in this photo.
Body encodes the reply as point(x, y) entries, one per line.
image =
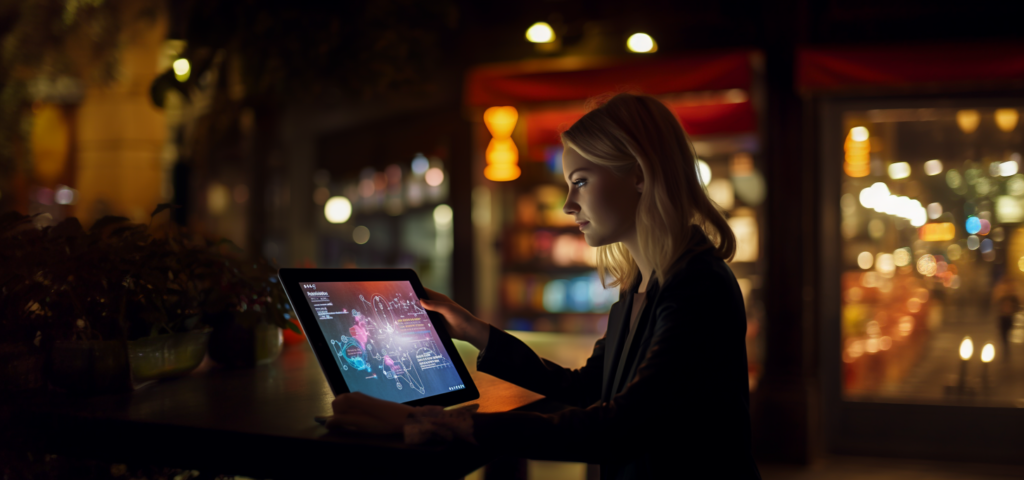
point(937, 232)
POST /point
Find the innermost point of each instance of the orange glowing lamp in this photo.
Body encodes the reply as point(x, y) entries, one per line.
point(937, 232)
point(858, 151)
point(502, 155)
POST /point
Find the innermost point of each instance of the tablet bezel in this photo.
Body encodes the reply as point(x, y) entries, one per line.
point(291, 279)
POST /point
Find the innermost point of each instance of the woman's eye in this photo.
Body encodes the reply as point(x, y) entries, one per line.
point(580, 183)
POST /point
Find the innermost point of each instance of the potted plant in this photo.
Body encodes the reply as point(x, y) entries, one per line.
point(122, 296)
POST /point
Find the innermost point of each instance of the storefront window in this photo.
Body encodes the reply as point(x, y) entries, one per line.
point(932, 202)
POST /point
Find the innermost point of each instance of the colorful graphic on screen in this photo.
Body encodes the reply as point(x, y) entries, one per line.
point(382, 339)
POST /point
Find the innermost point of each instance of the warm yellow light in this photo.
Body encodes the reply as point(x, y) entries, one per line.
point(500, 121)
point(966, 349)
point(218, 196)
point(1006, 119)
point(540, 32)
point(641, 43)
point(338, 210)
point(988, 352)
point(933, 167)
point(182, 69)
point(937, 232)
point(968, 120)
point(865, 260)
point(502, 155)
point(858, 150)
point(899, 170)
point(443, 216)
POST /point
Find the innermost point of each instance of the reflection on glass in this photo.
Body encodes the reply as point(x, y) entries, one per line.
point(932, 207)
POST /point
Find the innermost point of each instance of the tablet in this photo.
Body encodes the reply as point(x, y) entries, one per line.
point(370, 335)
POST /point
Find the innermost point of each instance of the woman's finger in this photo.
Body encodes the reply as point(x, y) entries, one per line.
point(436, 296)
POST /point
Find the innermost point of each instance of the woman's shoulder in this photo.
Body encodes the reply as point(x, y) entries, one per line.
point(702, 272)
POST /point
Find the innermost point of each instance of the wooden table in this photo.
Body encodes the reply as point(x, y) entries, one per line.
point(254, 422)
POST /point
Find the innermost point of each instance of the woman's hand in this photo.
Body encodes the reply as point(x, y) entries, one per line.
point(460, 323)
point(363, 413)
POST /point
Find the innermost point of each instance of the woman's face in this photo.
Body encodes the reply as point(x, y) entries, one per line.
point(602, 201)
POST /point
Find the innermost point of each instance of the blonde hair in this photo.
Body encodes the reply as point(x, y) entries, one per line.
point(625, 130)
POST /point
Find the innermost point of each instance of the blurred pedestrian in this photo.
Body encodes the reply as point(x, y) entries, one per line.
point(1007, 302)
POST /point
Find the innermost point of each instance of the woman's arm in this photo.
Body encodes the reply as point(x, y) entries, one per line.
point(508, 358)
point(688, 401)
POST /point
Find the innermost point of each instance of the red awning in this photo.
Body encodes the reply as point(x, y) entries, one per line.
point(568, 79)
point(544, 127)
point(822, 69)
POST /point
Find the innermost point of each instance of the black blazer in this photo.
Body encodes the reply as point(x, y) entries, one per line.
point(683, 409)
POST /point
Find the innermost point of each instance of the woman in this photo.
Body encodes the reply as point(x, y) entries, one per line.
point(665, 392)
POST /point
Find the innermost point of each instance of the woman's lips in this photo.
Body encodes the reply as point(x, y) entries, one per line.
point(583, 225)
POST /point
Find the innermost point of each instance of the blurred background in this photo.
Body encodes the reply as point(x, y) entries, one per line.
point(866, 154)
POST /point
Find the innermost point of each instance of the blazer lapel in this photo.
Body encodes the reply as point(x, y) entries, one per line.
point(617, 319)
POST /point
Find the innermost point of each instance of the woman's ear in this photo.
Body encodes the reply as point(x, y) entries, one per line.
point(638, 174)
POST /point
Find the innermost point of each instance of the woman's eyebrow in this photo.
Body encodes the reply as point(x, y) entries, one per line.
point(576, 170)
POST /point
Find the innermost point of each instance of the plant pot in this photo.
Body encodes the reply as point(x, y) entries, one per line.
point(234, 345)
point(90, 367)
point(166, 356)
point(21, 367)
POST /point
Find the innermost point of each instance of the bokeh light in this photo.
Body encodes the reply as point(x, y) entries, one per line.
point(338, 210)
point(434, 177)
point(866, 259)
point(704, 170)
point(933, 167)
point(182, 69)
point(540, 32)
point(926, 265)
point(443, 216)
point(641, 43)
point(361, 235)
point(899, 170)
point(420, 164)
point(973, 225)
point(966, 349)
point(988, 352)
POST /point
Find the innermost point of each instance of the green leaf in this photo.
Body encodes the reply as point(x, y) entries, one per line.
point(293, 327)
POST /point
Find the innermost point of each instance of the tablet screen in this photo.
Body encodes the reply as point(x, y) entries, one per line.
point(382, 339)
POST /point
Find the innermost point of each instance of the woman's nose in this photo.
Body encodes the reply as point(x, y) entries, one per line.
point(570, 207)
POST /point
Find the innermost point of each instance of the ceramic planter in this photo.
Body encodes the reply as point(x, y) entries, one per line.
point(166, 356)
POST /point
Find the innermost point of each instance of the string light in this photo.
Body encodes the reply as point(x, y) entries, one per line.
point(641, 43)
point(182, 69)
point(540, 32)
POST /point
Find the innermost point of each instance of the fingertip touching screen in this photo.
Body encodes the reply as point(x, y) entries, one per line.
point(382, 339)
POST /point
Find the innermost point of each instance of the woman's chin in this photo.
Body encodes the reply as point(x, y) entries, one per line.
point(593, 240)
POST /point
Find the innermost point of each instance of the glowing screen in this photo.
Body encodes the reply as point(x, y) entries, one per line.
point(382, 339)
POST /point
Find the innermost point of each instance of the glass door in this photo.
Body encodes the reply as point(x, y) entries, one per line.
point(923, 263)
